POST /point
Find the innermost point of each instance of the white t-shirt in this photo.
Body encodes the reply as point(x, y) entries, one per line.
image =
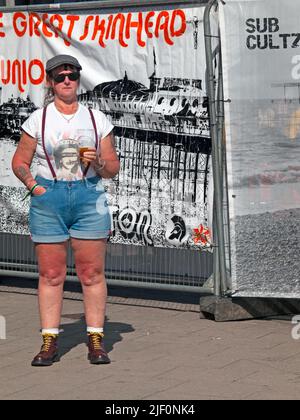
point(64, 134)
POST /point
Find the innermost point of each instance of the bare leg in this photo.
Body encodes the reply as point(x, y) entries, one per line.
point(90, 260)
point(52, 269)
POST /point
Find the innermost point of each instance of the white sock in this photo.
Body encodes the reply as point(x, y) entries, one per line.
point(94, 330)
point(53, 331)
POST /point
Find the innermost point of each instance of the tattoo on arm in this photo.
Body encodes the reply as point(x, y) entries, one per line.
point(23, 174)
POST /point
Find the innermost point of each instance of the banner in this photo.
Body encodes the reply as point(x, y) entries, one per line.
point(146, 72)
point(261, 64)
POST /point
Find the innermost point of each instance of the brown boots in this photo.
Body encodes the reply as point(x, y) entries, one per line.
point(97, 353)
point(49, 352)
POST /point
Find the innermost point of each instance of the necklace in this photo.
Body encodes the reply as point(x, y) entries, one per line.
point(67, 119)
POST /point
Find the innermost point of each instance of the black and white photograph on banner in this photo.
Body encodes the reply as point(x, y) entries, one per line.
point(261, 60)
point(154, 96)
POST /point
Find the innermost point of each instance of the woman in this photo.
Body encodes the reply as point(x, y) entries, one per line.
point(63, 203)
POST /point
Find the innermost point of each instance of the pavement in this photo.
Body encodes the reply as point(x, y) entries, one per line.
point(157, 353)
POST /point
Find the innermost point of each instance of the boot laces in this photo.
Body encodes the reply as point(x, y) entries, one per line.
point(48, 339)
point(96, 340)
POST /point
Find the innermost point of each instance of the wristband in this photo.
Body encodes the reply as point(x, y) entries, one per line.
point(30, 191)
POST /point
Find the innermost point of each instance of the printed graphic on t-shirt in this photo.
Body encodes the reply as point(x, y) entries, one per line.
point(67, 161)
point(64, 149)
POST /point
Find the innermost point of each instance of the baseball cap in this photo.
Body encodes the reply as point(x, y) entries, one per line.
point(60, 60)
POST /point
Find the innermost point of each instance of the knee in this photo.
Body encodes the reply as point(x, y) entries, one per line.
point(90, 276)
point(53, 277)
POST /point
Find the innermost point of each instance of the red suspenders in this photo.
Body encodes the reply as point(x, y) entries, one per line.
point(44, 146)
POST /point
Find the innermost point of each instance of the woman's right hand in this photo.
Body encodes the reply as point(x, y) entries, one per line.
point(39, 190)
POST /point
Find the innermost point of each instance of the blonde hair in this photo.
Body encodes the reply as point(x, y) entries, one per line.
point(49, 96)
point(49, 93)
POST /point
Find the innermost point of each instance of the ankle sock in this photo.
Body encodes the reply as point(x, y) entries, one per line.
point(53, 331)
point(91, 330)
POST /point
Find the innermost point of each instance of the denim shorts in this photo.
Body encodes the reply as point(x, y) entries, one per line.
point(76, 209)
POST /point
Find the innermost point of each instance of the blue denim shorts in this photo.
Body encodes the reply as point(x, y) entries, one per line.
point(76, 209)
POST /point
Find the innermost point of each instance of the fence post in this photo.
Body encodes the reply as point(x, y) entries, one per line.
point(220, 275)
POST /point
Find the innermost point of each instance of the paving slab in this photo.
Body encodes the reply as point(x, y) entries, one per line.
point(157, 354)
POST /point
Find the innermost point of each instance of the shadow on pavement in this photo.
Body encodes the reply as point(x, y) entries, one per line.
point(75, 333)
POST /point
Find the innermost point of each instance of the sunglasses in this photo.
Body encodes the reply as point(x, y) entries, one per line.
point(61, 77)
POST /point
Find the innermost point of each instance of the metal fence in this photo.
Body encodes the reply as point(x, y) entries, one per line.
point(144, 266)
point(126, 265)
